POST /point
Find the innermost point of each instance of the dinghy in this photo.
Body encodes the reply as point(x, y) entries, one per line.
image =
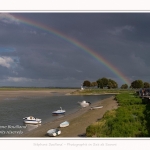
point(64, 124)
point(96, 107)
point(53, 132)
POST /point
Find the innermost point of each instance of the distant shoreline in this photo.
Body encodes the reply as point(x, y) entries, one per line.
point(17, 93)
point(32, 92)
point(35, 88)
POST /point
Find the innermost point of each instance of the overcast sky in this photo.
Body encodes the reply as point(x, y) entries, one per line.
point(30, 56)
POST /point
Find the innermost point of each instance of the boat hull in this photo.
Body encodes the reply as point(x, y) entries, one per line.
point(55, 113)
point(59, 112)
point(53, 132)
point(32, 122)
point(64, 124)
point(84, 104)
point(98, 107)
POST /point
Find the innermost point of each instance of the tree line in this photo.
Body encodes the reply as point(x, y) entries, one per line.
point(101, 83)
point(140, 84)
point(111, 84)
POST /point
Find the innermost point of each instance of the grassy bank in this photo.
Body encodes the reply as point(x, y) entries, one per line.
point(76, 90)
point(92, 91)
point(131, 119)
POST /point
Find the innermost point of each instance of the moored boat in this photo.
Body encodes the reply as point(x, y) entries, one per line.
point(64, 124)
point(53, 132)
point(59, 111)
point(32, 120)
point(84, 103)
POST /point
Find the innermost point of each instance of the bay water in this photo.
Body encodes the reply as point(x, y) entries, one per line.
point(13, 110)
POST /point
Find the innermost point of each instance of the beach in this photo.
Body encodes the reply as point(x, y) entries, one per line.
point(32, 93)
point(79, 120)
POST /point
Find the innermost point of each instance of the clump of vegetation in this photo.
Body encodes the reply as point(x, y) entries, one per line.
point(140, 84)
point(128, 99)
point(103, 91)
point(124, 86)
point(101, 83)
point(131, 119)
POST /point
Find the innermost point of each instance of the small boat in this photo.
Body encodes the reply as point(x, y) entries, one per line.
point(59, 111)
point(31, 120)
point(97, 107)
point(64, 124)
point(84, 103)
point(53, 132)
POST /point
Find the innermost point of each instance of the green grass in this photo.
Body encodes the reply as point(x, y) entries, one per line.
point(131, 119)
point(128, 99)
point(103, 91)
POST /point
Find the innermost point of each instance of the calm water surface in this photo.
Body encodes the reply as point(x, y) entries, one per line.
point(13, 110)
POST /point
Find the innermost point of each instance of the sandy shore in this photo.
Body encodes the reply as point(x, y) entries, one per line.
point(79, 121)
point(33, 93)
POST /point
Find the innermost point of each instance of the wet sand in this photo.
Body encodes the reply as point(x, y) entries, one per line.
point(32, 93)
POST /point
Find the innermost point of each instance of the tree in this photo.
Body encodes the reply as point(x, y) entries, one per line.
point(112, 84)
point(124, 86)
point(100, 83)
point(93, 84)
point(146, 85)
point(87, 83)
point(137, 84)
point(104, 82)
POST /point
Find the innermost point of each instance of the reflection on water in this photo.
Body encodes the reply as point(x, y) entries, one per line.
point(32, 126)
point(57, 116)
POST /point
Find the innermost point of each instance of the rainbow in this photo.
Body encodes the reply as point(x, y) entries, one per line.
point(83, 47)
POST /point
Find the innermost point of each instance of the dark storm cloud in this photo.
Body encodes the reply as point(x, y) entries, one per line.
point(31, 56)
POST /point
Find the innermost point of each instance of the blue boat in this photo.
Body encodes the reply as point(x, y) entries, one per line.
point(59, 111)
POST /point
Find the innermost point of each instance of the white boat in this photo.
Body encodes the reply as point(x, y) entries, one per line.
point(84, 103)
point(96, 107)
point(53, 132)
point(64, 124)
point(59, 111)
point(31, 120)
